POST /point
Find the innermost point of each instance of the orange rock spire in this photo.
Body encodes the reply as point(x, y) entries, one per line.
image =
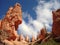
point(11, 20)
point(27, 38)
point(33, 38)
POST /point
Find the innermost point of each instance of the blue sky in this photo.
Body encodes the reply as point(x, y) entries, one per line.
point(36, 14)
point(27, 5)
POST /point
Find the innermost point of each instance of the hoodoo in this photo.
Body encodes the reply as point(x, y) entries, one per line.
point(11, 21)
point(56, 23)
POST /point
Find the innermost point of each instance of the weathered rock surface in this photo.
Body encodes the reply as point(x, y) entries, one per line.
point(56, 23)
point(11, 21)
point(42, 34)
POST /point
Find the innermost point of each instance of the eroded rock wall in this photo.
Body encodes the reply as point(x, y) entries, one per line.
point(56, 23)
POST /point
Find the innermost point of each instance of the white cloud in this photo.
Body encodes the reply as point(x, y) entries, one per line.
point(44, 11)
point(28, 29)
point(31, 28)
point(44, 16)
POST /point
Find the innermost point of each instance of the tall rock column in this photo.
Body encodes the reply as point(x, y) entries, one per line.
point(56, 23)
point(42, 34)
point(10, 22)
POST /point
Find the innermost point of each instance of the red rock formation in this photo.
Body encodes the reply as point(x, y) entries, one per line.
point(11, 21)
point(42, 34)
point(56, 23)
